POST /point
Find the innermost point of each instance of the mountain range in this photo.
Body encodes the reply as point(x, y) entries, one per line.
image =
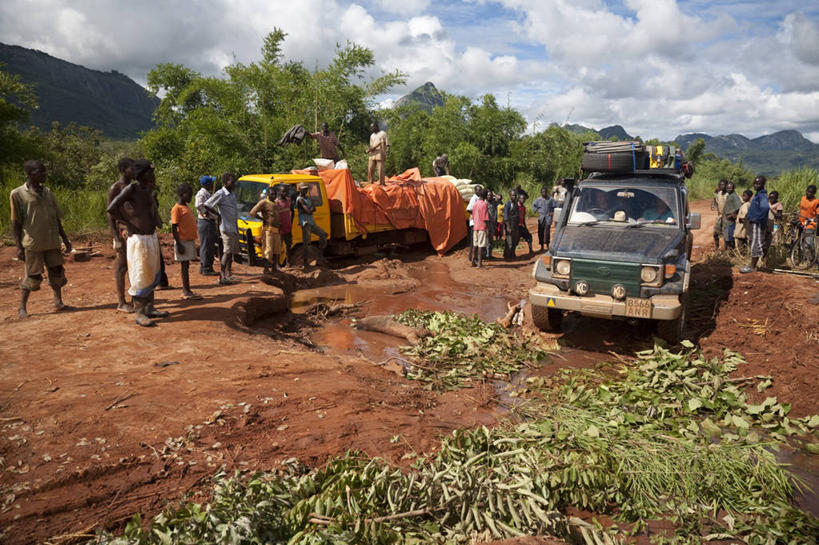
point(769, 154)
point(109, 101)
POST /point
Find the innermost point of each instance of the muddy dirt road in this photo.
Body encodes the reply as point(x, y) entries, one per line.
point(100, 419)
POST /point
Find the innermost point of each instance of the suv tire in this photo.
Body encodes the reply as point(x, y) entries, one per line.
point(673, 331)
point(547, 319)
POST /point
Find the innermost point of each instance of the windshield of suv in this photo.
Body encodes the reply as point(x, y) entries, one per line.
point(624, 204)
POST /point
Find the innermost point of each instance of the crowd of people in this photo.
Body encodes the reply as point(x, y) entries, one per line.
point(134, 218)
point(753, 221)
point(491, 219)
point(746, 222)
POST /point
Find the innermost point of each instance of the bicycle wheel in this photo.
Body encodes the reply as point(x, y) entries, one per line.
point(803, 255)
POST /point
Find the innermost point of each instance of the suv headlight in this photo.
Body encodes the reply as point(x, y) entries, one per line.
point(562, 268)
point(651, 275)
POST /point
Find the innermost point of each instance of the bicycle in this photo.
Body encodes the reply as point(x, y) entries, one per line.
point(801, 250)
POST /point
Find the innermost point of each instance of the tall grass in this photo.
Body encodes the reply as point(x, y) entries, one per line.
point(83, 208)
point(791, 186)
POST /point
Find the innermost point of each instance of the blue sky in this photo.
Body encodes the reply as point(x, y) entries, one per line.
point(657, 67)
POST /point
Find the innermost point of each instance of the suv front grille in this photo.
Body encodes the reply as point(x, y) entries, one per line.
point(603, 275)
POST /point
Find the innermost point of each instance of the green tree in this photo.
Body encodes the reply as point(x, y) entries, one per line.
point(17, 100)
point(234, 122)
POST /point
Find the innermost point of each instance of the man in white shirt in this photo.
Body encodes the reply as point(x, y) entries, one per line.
point(378, 151)
point(206, 225)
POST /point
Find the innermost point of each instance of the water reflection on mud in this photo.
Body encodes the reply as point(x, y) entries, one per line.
point(436, 291)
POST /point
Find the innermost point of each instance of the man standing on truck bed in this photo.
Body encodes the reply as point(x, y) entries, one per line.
point(329, 146)
point(758, 221)
point(378, 151)
point(305, 206)
point(35, 220)
point(441, 165)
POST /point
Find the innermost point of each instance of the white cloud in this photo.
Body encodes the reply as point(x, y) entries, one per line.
point(403, 7)
point(657, 67)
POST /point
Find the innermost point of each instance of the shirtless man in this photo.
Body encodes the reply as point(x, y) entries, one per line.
point(119, 231)
point(135, 207)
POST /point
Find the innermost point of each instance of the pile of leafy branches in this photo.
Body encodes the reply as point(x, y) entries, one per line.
point(610, 446)
point(462, 348)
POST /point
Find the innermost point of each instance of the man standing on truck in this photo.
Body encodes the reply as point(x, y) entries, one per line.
point(120, 233)
point(511, 219)
point(758, 223)
point(718, 204)
point(329, 146)
point(228, 211)
point(441, 165)
point(37, 227)
point(378, 151)
point(306, 208)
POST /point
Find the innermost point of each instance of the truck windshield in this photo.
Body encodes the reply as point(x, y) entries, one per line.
point(248, 194)
point(625, 204)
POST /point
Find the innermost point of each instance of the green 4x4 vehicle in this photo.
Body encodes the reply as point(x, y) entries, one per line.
point(621, 248)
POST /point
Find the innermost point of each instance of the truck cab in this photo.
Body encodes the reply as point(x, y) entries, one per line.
point(621, 249)
point(252, 188)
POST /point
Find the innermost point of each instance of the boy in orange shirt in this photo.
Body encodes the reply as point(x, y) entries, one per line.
point(808, 214)
point(183, 225)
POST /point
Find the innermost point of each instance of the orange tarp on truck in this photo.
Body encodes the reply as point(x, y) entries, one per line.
point(406, 201)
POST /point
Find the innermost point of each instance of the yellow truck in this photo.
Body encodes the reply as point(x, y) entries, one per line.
point(345, 238)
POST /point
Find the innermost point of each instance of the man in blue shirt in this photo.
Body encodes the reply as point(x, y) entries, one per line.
point(544, 206)
point(758, 223)
point(305, 207)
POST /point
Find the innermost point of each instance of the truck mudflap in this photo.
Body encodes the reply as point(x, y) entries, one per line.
point(657, 307)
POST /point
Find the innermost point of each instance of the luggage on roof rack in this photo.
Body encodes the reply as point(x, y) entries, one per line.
point(613, 156)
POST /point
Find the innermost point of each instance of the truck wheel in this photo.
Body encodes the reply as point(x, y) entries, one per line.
point(547, 319)
point(673, 331)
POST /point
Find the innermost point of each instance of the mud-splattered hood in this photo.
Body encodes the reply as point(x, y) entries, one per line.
point(645, 244)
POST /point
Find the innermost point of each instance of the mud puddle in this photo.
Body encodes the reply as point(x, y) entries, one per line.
point(436, 290)
point(806, 467)
point(507, 391)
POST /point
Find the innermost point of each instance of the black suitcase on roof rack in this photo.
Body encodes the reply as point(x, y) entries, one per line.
point(614, 156)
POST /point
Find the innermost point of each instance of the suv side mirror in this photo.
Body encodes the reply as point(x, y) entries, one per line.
point(694, 221)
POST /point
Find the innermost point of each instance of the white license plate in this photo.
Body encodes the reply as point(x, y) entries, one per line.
point(638, 308)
